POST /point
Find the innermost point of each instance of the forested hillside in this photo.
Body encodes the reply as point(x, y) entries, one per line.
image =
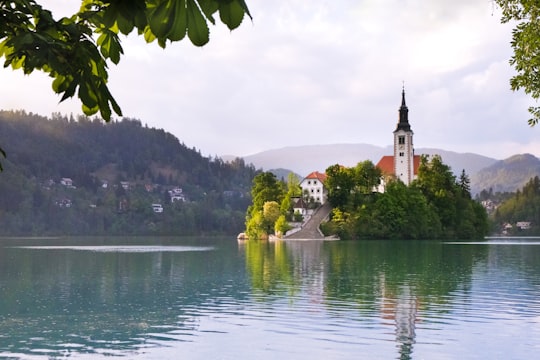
point(520, 213)
point(80, 176)
point(507, 175)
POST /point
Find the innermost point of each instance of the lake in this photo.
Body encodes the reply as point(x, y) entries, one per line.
point(215, 298)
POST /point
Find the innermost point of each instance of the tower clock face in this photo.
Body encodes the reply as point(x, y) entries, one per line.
point(401, 147)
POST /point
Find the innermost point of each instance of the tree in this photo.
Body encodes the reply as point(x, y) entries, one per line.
point(438, 184)
point(281, 226)
point(526, 45)
point(465, 183)
point(340, 183)
point(293, 190)
point(74, 50)
point(271, 212)
point(266, 187)
point(404, 213)
point(267, 193)
point(349, 186)
point(367, 176)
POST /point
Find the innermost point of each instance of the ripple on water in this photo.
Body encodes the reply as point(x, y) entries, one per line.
point(120, 248)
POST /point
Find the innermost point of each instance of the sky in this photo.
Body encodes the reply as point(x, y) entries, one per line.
point(307, 72)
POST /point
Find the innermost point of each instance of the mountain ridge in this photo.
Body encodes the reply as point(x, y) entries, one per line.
point(306, 158)
point(484, 172)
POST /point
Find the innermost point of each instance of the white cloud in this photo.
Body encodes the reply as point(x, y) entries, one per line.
point(319, 71)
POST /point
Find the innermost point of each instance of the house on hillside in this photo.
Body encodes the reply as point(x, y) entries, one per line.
point(403, 164)
point(125, 185)
point(176, 194)
point(523, 225)
point(67, 182)
point(313, 185)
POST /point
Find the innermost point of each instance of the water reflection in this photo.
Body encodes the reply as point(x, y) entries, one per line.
point(62, 299)
point(391, 280)
point(296, 299)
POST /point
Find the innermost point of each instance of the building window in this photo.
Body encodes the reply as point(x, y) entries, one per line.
point(318, 190)
point(401, 154)
point(309, 182)
point(401, 140)
point(314, 182)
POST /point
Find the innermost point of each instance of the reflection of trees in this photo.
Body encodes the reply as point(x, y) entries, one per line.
point(395, 279)
point(269, 266)
point(399, 279)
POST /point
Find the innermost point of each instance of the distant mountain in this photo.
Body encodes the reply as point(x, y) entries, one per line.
point(506, 175)
point(470, 162)
point(284, 174)
point(305, 159)
point(308, 158)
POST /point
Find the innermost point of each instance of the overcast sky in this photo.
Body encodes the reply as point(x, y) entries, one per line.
point(307, 72)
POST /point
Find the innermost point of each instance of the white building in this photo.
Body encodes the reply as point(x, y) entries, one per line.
point(177, 194)
point(313, 184)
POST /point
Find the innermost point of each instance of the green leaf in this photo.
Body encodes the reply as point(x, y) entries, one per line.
point(148, 34)
point(244, 6)
point(116, 107)
point(125, 25)
point(179, 27)
point(4, 49)
point(104, 42)
point(162, 19)
point(116, 49)
point(110, 46)
point(231, 14)
point(87, 95)
point(58, 84)
point(70, 88)
point(198, 31)
point(209, 7)
point(18, 62)
point(89, 111)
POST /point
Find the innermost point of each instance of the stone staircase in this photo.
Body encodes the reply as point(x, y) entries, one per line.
point(310, 230)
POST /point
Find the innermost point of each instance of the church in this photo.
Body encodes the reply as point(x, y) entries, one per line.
point(404, 163)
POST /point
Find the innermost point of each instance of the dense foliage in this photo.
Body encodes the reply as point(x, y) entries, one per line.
point(118, 170)
point(436, 205)
point(74, 50)
point(526, 59)
point(522, 207)
point(262, 215)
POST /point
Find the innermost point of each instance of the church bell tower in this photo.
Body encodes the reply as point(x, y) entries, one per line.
point(403, 145)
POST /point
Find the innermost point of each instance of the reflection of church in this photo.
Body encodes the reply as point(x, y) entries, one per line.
point(404, 163)
point(402, 309)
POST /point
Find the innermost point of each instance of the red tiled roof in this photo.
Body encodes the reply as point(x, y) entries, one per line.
point(317, 175)
point(416, 163)
point(386, 164)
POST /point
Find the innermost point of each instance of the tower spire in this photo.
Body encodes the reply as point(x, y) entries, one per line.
point(403, 122)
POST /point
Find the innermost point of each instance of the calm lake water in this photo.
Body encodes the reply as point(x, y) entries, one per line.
point(178, 298)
